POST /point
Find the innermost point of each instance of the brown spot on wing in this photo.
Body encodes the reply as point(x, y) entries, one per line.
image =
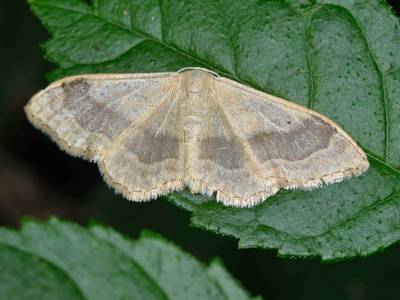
point(75, 89)
point(296, 144)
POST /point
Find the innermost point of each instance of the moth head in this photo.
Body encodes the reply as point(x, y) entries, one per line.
point(196, 80)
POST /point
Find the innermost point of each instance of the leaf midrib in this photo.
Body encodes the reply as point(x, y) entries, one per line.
point(148, 37)
point(371, 156)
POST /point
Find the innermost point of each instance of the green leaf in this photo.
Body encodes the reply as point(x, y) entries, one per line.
point(20, 269)
point(339, 57)
point(61, 260)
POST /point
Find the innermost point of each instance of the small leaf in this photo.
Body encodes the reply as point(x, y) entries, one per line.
point(339, 57)
point(61, 260)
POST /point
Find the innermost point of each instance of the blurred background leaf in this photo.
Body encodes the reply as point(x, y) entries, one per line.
point(39, 180)
point(61, 260)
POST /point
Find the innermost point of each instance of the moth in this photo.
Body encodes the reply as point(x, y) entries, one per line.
point(155, 133)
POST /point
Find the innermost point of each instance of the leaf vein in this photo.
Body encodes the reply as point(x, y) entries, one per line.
point(382, 85)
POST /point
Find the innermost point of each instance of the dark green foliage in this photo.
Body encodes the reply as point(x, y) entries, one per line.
point(339, 57)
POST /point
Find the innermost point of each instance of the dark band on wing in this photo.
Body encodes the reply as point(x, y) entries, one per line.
point(228, 153)
point(150, 147)
point(90, 114)
point(296, 144)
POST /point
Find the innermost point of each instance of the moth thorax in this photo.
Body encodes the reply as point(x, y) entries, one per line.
point(196, 81)
point(194, 110)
